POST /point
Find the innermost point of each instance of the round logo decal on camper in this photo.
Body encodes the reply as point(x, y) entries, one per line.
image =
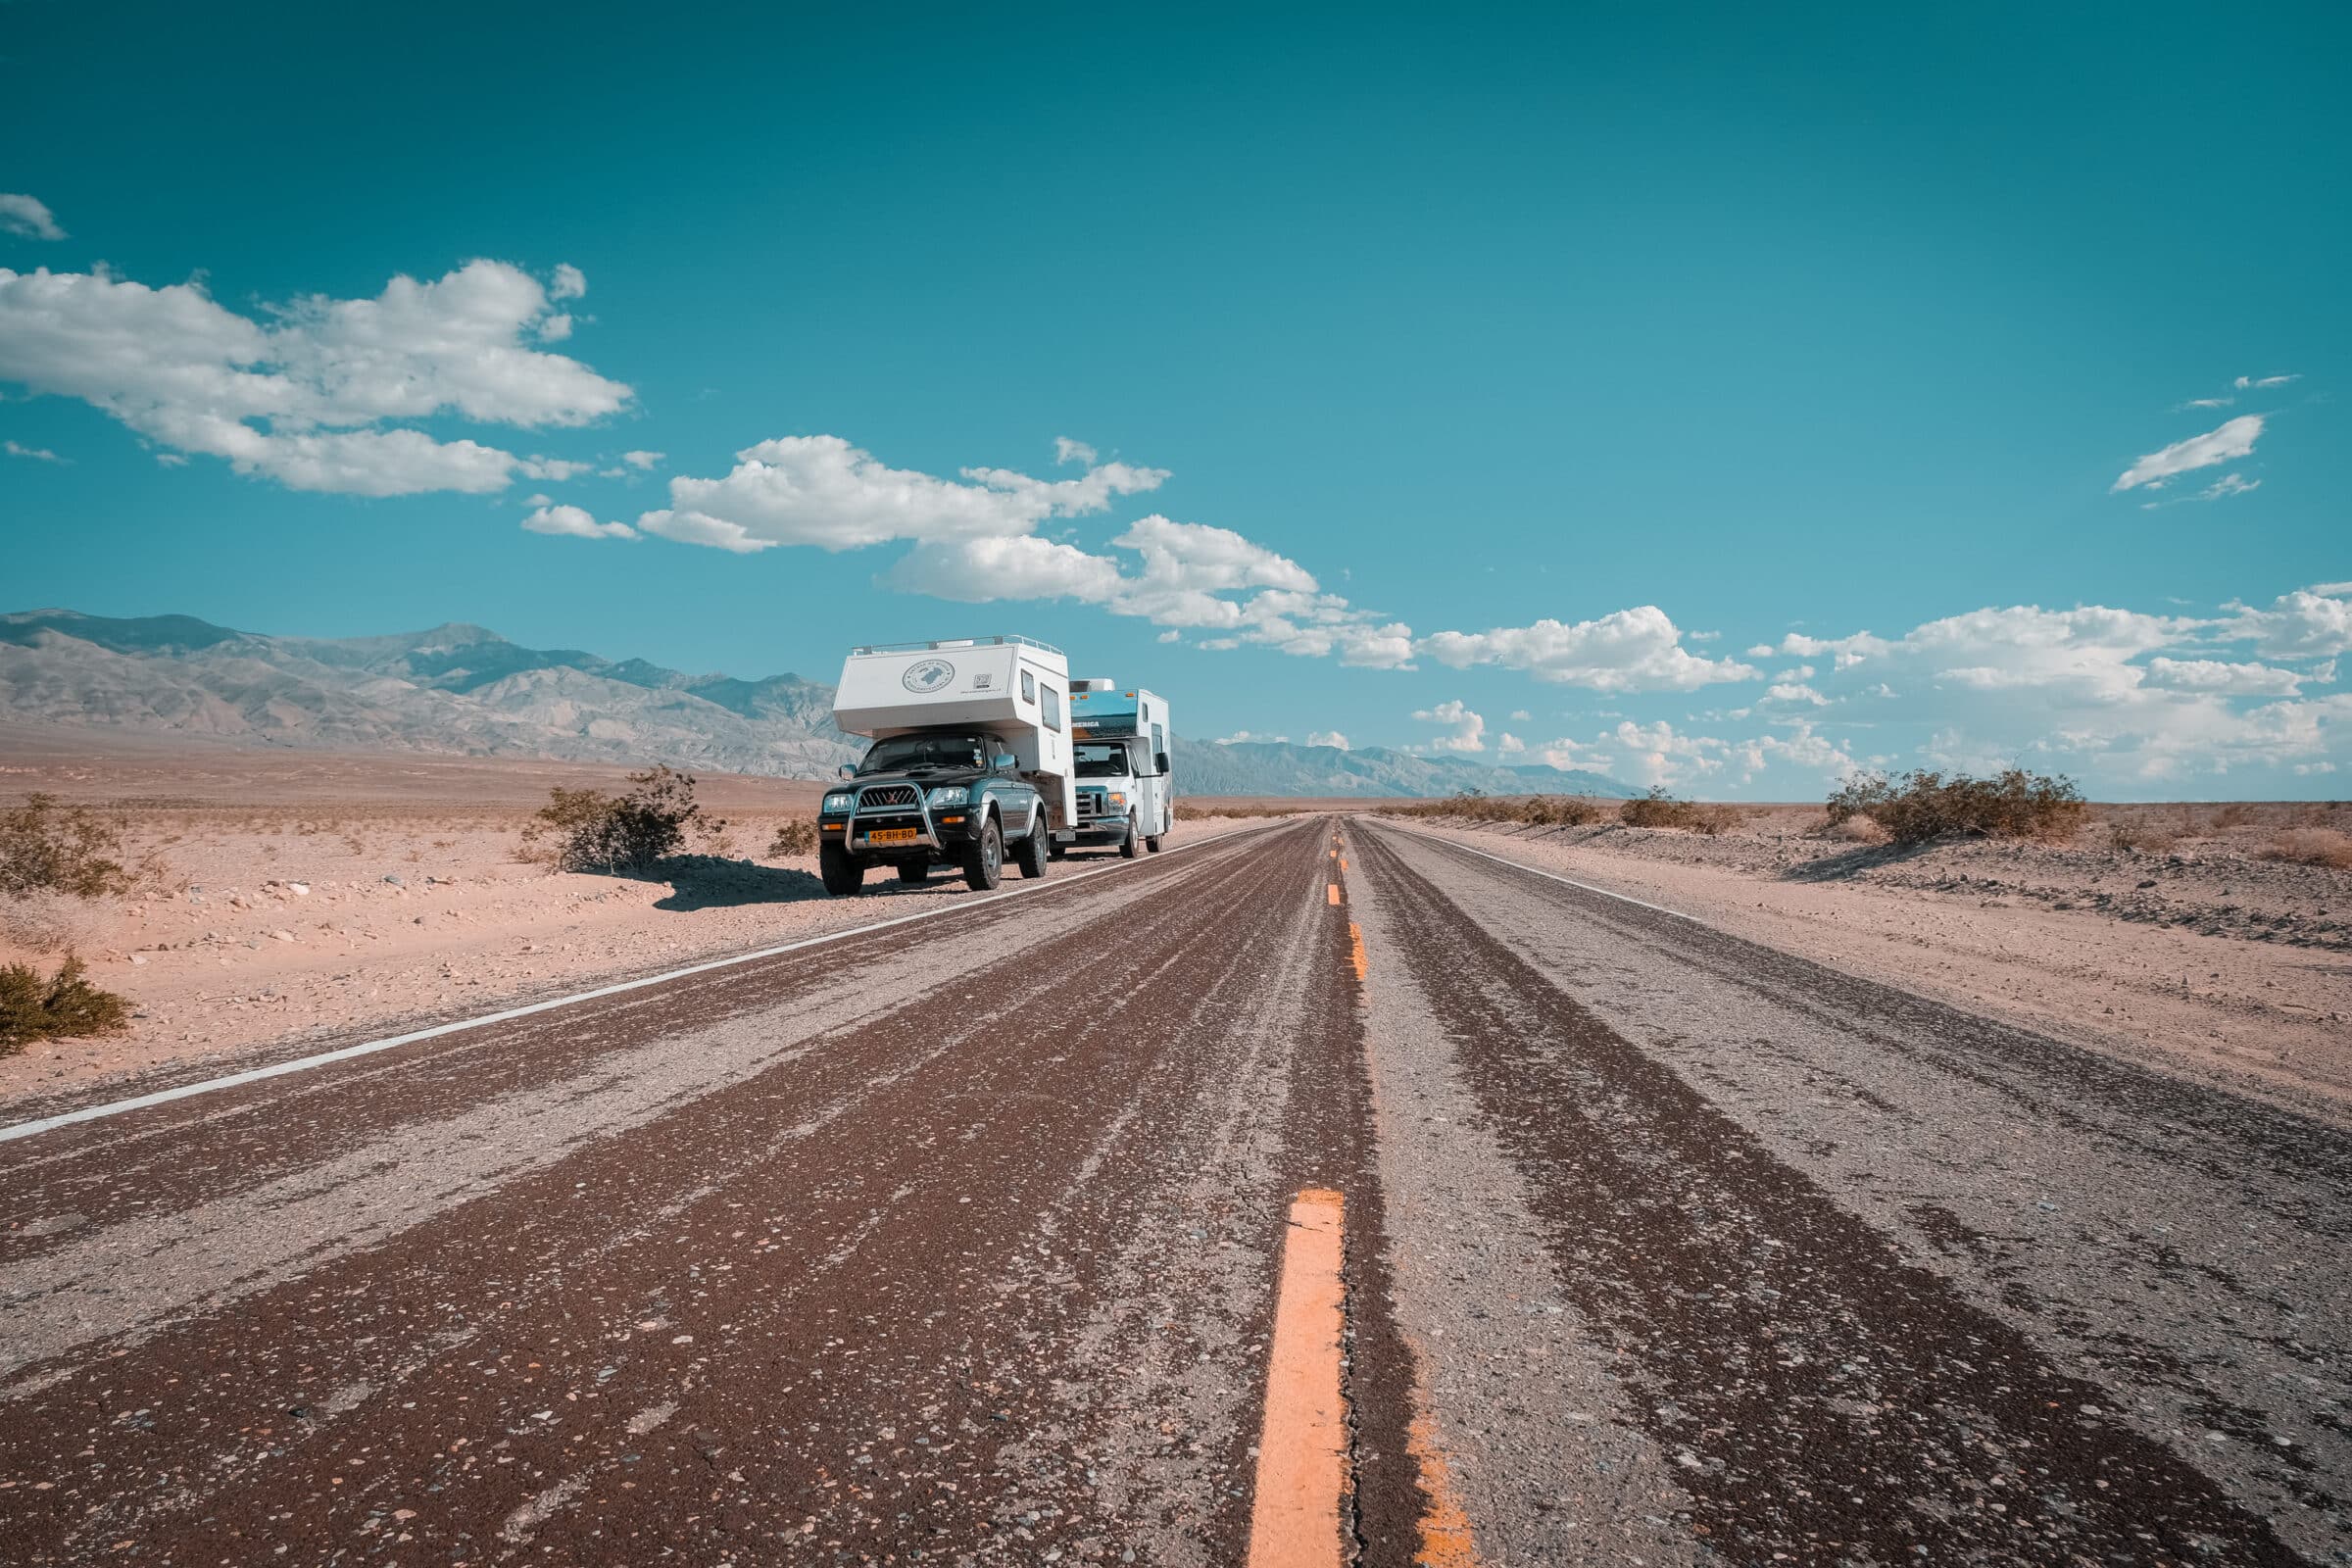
point(928, 676)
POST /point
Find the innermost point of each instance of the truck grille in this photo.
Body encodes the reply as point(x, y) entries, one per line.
point(879, 796)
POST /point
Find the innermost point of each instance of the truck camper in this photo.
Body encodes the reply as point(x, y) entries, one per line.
point(972, 761)
point(1126, 790)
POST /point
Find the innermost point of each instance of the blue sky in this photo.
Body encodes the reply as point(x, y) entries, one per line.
point(1510, 361)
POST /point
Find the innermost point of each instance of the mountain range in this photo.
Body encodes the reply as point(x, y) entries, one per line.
point(464, 690)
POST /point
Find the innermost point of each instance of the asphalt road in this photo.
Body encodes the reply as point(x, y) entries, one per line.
point(961, 1241)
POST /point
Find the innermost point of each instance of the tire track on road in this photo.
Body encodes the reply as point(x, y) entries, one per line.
point(1823, 1396)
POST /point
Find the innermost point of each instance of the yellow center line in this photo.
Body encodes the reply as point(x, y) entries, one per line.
point(1302, 1449)
point(1356, 955)
point(1331, 892)
point(1446, 1537)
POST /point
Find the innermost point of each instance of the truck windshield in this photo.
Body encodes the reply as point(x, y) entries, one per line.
point(1102, 761)
point(912, 754)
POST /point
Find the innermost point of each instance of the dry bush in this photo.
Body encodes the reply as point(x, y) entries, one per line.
point(1923, 806)
point(1558, 810)
point(1658, 809)
point(1858, 828)
point(66, 1004)
point(45, 848)
point(2148, 838)
point(796, 837)
point(588, 831)
point(2237, 813)
point(2310, 846)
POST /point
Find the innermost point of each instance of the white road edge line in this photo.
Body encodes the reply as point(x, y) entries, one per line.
point(27, 1129)
point(1521, 866)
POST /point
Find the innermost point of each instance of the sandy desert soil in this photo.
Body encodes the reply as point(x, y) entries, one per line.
point(295, 899)
point(2195, 957)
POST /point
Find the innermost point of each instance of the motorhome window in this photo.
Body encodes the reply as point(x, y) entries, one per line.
point(1051, 704)
point(1102, 762)
point(1028, 687)
point(910, 754)
point(1159, 738)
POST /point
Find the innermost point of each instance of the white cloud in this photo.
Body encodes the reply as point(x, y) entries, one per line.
point(2204, 403)
point(1521, 715)
point(2229, 484)
point(2219, 675)
point(1465, 731)
point(28, 216)
point(1004, 567)
point(1169, 636)
point(1066, 450)
point(555, 469)
point(1794, 692)
point(643, 460)
point(2233, 438)
point(1508, 744)
point(300, 400)
point(2308, 623)
point(568, 283)
point(1327, 737)
point(37, 454)
point(820, 490)
point(555, 329)
point(2247, 382)
point(575, 523)
point(1626, 651)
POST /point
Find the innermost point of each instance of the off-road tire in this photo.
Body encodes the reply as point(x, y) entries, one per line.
point(1058, 851)
point(1130, 846)
point(914, 870)
point(839, 870)
point(1152, 844)
point(1036, 849)
point(984, 858)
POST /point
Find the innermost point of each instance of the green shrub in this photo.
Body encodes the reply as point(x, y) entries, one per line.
point(1919, 807)
point(33, 1009)
point(588, 831)
point(46, 850)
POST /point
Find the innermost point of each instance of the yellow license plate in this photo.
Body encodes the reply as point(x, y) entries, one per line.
point(893, 835)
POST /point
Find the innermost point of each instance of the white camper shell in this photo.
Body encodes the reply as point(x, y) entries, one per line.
point(1017, 688)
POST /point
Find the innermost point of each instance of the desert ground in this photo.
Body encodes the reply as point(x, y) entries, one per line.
point(292, 898)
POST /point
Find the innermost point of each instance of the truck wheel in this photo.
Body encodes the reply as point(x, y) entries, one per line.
point(1152, 844)
point(838, 870)
point(1036, 849)
point(1057, 850)
point(984, 858)
point(914, 870)
point(1129, 846)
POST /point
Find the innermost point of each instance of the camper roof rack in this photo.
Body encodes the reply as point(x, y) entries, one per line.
point(937, 645)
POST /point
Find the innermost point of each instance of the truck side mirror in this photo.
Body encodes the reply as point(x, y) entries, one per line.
point(845, 770)
point(1159, 761)
point(1004, 760)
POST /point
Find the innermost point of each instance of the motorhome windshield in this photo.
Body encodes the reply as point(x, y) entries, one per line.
point(1102, 761)
point(908, 754)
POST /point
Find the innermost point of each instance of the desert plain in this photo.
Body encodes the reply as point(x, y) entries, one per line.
point(294, 897)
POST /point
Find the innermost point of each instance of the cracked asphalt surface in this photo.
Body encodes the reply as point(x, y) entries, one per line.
point(958, 1242)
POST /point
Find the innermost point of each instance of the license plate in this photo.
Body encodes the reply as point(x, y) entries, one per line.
point(893, 835)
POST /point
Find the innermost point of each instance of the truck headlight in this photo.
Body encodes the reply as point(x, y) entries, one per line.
point(837, 802)
point(1118, 797)
point(949, 794)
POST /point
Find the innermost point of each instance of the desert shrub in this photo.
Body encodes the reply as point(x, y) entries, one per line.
point(1919, 807)
point(1557, 811)
point(1715, 818)
point(2148, 838)
point(796, 837)
point(588, 831)
point(45, 848)
point(2310, 846)
point(1658, 809)
point(1858, 828)
point(66, 1004)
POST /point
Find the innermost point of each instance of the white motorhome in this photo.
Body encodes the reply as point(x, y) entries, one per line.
point(972, 756)
point(1126, 789)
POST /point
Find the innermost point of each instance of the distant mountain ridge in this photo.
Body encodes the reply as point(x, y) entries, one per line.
point(464, 690)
